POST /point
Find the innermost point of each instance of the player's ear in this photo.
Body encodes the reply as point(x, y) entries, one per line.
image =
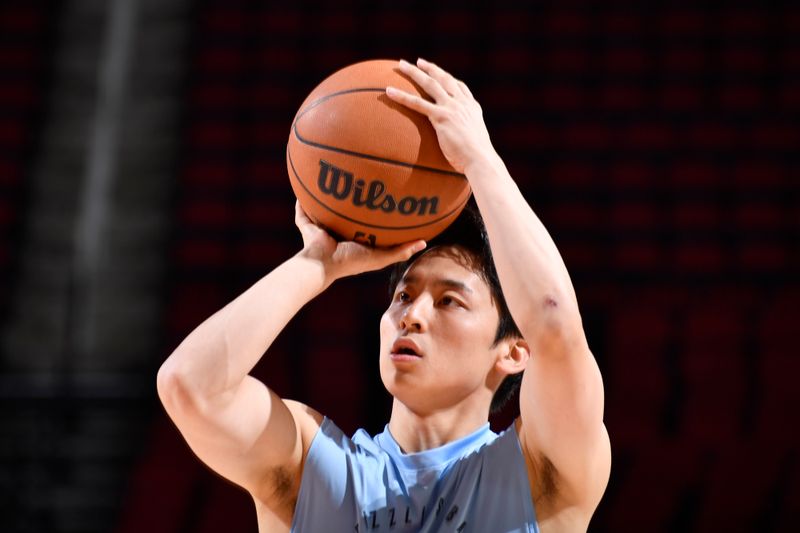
point(513, 356)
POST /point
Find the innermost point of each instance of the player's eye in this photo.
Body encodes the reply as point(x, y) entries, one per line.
point(403, 296)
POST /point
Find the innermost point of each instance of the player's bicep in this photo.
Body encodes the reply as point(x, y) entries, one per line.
point(244, 436)
point(561, 406)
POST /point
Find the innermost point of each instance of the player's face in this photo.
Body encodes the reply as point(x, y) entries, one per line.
point(437, 334)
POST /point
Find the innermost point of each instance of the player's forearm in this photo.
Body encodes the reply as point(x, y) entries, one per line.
point(534, 278)
point(220, 352)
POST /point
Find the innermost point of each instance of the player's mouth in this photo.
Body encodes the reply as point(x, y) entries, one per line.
point(405, 350)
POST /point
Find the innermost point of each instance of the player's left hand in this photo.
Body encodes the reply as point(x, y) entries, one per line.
point(454, 113)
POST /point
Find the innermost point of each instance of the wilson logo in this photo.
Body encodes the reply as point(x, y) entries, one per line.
point(373, 195)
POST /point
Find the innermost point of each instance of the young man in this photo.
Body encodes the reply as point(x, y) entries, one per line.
point(447, 344)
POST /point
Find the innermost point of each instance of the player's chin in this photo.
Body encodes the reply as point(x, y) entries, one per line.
point(399, 381)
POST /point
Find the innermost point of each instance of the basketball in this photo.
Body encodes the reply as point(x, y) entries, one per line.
point(366, 168)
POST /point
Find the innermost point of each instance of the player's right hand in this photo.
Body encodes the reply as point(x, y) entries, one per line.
point(346, 258)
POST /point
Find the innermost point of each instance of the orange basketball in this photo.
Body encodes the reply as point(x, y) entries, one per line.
point(367, 168)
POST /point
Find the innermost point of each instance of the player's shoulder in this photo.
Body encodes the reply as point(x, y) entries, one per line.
point(307, 418)
point(303, 410)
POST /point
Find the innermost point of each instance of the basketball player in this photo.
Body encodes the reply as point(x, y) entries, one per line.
point(447, 344)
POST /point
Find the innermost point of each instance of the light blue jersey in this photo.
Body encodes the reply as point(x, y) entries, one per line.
point(476, 484)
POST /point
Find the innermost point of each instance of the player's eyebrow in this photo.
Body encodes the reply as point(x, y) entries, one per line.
point(460, 286)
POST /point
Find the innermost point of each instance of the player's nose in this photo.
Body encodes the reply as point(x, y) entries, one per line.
point(415, 315)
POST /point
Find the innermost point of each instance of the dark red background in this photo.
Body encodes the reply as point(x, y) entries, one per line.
point(659, 146)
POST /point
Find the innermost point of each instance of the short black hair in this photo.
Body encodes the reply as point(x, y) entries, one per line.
point(468, 234)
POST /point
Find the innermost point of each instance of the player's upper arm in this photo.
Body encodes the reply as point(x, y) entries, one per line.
point(561, 406)
point(249, 436)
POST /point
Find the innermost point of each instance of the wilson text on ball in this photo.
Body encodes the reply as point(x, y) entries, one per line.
point(373, 195)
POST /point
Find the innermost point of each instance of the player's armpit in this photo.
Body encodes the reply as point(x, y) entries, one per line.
point(561, 407)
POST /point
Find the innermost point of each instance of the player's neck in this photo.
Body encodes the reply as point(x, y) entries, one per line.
point(416, 432)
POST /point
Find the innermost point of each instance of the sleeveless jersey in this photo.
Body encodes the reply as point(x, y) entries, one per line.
point(477, 484)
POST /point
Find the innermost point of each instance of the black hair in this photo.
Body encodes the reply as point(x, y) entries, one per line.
point(468, 234)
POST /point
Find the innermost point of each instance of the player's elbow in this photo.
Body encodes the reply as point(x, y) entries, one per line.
point(186, 394)
point(172, 389)
point(553, 329)
point(167, 384)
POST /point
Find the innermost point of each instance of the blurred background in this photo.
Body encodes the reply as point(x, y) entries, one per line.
point(143, 185)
